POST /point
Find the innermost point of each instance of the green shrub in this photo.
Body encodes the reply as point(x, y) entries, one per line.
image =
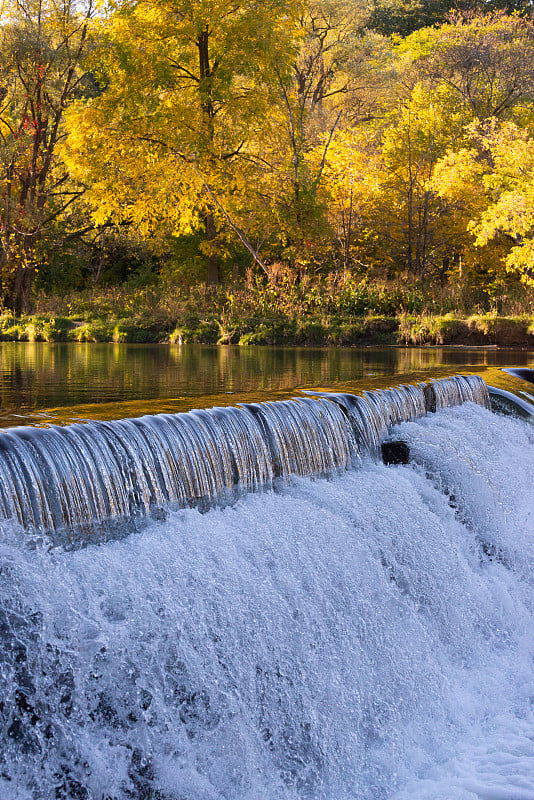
point(35, 328)
point(311, 332)
point(204, 332)
point(380, 329)
point(33, 332)
point(12, 334)
point(97, 331)
point(176, 336)
point(448, 330)
point(259, 336)
point(138, 332)
point(7, 321)
point(276, 331)
point(367, 330)
point(433, 330)
point(502, 330)
point(57, 329)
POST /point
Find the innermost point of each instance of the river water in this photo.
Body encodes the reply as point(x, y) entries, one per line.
point(364, 637)
point(41, 382)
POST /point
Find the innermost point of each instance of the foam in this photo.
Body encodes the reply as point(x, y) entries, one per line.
point(359, 638)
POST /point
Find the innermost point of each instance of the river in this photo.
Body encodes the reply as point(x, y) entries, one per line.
point(41, 382)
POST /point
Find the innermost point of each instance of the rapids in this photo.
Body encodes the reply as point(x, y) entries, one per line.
point(367, 636)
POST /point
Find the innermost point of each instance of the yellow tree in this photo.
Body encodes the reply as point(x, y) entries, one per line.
point(351, 192)
point(41, 47)
point(325, 88)
point(487, 60)
point(502, 164)
point(169, 142)
point(468, 70)
point(460, 180)
point(416, 220)
point(404, 223)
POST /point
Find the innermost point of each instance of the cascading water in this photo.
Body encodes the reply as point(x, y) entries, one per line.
point(74, 479)
point(364, 637)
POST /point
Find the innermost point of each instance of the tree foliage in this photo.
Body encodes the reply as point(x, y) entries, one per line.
point(390, 139)
point(498, 171)
point(171, 140)
point(487, 60)
point(42, 44)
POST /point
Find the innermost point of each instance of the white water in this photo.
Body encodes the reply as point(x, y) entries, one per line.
point(73, 481)
point(362, 638)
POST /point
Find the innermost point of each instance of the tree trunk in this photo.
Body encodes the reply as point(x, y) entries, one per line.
point(19, 299)
point(347, 234)
point(213, 258)
point(206, 102)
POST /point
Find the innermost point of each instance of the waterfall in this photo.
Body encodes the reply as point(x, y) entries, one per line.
point(89, 480)
point(365, 637)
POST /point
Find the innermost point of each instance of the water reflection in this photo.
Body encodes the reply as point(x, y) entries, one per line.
point(113, 380)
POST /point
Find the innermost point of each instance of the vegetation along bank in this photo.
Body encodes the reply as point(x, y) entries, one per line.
point(345, 314)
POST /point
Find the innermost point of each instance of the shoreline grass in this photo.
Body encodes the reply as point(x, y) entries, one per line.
point(324, 312)
point(310, 330)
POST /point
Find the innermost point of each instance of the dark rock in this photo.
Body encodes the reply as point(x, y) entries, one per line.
point(492, 552)
point(69, 788)
point(158, 514)
point(395, 452)
point(430, 397)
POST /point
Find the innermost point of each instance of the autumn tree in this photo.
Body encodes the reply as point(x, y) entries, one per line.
point(349, 189)
point(325, 88)
point(41, 47)
point(411, 231)
point(471, 71)
point(487, 62)
point(388, 163)
point(168, 144)
point(486, 59)
point(491, 183)
point(511, 214)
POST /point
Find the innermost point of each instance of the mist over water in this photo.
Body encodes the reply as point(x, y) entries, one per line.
point(360, 638)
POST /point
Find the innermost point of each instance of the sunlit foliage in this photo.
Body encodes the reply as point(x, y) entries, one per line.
point(206, 141)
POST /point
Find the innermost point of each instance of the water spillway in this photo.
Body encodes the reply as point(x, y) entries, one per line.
point(367, 637)
point(79, 478)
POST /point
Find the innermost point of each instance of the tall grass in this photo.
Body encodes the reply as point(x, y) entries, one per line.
point(284, 308)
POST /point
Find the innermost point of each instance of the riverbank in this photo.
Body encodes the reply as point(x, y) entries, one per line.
point(309, 330)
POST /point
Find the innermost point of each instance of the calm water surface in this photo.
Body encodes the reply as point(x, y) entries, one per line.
point(42, 382)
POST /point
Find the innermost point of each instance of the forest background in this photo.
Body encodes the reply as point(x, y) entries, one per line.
point(267, 171)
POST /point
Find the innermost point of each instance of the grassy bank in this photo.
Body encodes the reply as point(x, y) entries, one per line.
point(329, 330)
point(279, 311)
